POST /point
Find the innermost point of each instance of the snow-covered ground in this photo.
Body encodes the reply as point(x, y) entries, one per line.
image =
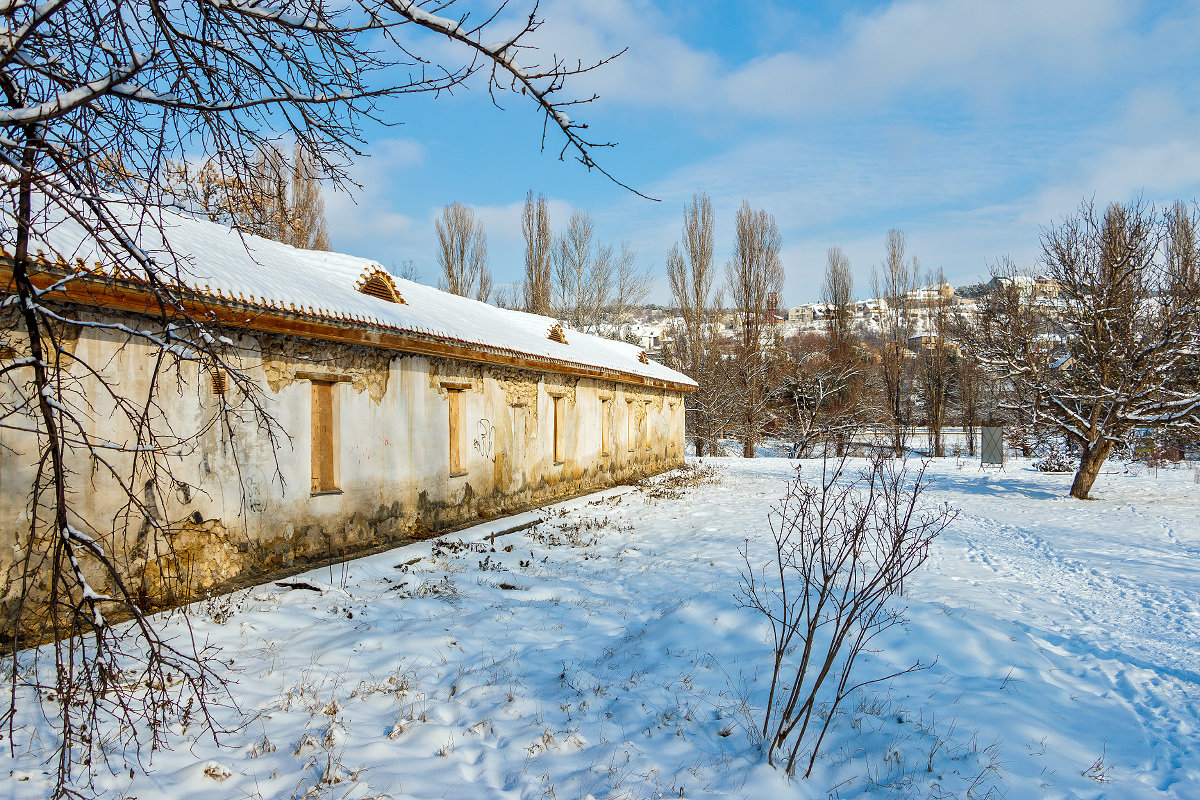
point(602, 653)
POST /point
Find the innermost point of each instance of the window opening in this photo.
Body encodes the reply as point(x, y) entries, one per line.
point(558, 429)
point(605, 418)
point(646, 424)
point(380, 285)
point(630, 426)
point(456, 466)
point(323, 439)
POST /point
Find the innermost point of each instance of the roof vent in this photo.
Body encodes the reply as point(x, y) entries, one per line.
point(556, 335)
point(642, 357)
point(379, 284)
point(218, 381)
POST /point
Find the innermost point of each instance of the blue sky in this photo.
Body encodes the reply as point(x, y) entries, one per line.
point(968, 125)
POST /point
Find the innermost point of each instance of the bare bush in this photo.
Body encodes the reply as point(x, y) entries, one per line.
point(844, 546)
point(1055, 461)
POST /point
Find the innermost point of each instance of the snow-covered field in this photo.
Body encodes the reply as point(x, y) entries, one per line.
point(602, 653)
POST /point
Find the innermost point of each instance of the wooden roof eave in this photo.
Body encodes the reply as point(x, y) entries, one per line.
point(120, 294)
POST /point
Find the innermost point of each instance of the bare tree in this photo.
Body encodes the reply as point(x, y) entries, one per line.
point(937, 364)
point(462, 253)
point(281, 202)
point(1126, 325)
point(838, 292)
point(970, 381)
point(596, 288)
point(892, 287)
point(273, 197)
point(1002, 400)
point(844, 546)
point(595, 284)
point(753, 273)
point(574, 260)
point(307, 228)
point(147, 85)
point(406, 269)
point(539, 242)
point(690, 272)
point(632, 285)
point(830, 393)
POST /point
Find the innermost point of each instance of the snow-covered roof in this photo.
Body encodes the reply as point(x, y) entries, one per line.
point(260, 272)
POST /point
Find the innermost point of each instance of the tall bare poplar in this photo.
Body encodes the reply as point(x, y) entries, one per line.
point(582, 272)
point(1182, 250)
point(690, 271)
point(838, 292)
point(836, 390)
point(539, 242)
point(462, 253)
point(892, 287)
point(938, 365)
point(260, 202)
point(307, 228)
point(573, 258)
point(754, 272)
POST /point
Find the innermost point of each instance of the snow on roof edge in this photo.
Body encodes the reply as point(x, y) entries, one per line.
point(228, 265)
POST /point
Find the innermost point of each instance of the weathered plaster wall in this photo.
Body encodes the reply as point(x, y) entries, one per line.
point(241, 506)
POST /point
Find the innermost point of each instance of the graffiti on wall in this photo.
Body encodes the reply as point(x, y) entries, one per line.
point(485, 442)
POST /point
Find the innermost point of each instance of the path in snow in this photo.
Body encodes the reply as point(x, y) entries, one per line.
point(1111, 587)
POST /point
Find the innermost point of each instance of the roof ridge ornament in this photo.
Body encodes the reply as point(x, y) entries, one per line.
point(377, 283)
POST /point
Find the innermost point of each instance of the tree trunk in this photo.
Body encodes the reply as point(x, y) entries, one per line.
point(1089, 467)
point(748, 448)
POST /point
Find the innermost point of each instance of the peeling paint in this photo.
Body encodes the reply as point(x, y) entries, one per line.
point(286, 360)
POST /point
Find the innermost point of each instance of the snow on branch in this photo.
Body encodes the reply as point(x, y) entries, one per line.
point(1111, 357)
point(74, 98)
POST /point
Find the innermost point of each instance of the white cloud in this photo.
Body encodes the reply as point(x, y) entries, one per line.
point(363, 221)
point(1158, 172)
point(657, 67)
point(922, 46)
point(907, 46)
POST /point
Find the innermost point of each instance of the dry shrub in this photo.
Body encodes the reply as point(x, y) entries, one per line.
point(844, 546)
